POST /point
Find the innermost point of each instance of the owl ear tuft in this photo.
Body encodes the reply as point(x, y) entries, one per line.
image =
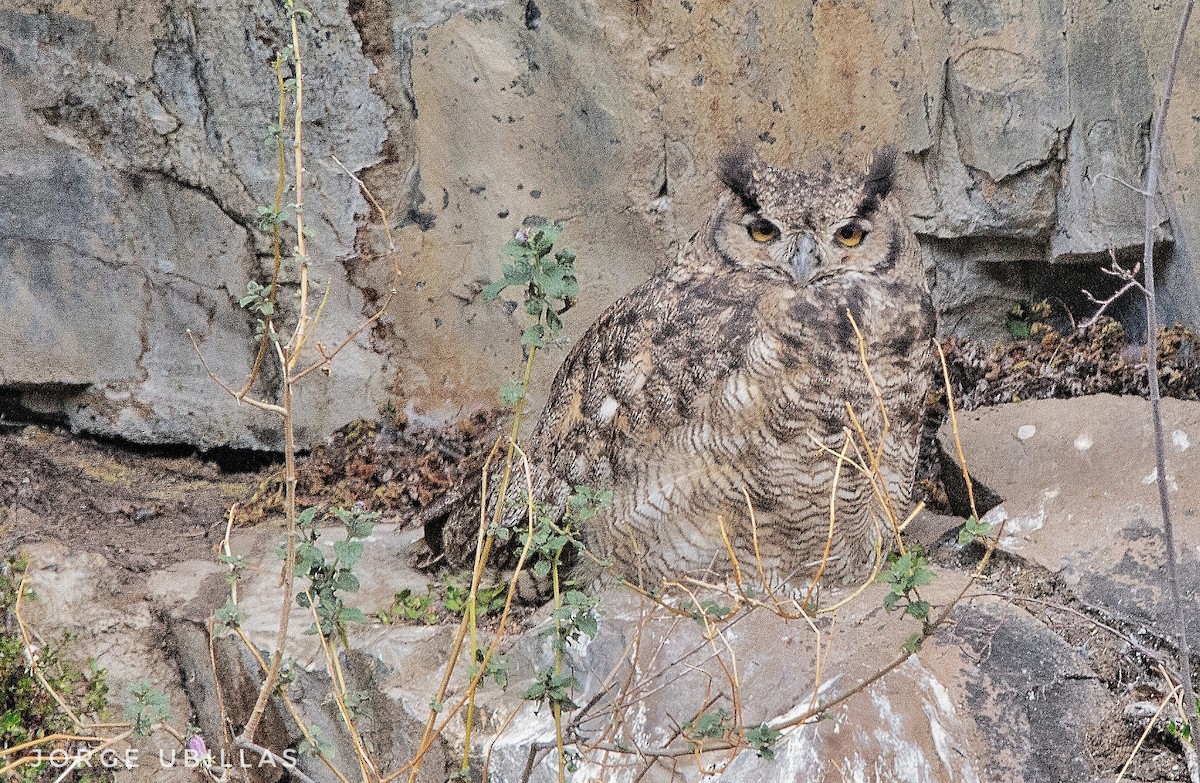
point(879, 179)
point(736, 169)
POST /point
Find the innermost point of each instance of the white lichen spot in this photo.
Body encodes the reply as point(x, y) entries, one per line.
point(1084, 442)
point(1017, 530)
point(945, 728)
point(608, 409)
point(1025, 432)
point(1180, 440)
point(1172, 484)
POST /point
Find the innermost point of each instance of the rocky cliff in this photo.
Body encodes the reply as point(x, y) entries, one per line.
point(133, 160)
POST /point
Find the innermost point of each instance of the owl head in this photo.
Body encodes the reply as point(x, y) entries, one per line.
point(804, 227)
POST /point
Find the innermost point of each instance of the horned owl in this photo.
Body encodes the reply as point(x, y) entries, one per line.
point(727, 375)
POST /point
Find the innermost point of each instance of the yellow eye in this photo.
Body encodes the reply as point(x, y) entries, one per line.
point(850, 235)
point(762, 230)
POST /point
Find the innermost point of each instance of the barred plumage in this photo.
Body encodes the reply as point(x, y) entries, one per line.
point(715, 380)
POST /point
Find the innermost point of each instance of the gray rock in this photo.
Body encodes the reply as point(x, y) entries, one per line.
point(1078, 483)
point(130, 172)
point(965, 707)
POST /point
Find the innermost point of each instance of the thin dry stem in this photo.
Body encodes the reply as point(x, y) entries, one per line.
point(1160, 454)
point(33, 743)
point(777, 604)
point(1172, 696)
point(962, 459)
point(1113, 270)
point(862, 587)
point(288, 575)
point(338, 679)
point(433, 729)
point(31, 658)
point(238, 395)
point(292, 769)
point(837, 477)
point(86, 756)
point(300, 335)
point(276, 233)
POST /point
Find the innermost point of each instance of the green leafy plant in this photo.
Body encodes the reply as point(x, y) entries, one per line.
point(489, 600)
point(548, 279)
point(556, 689)
point(973, 530)
point(494, 668)
point(28, 710)
point(409, 607)
point(1022, 320)
point(315, 744)
point(237, 566)
point(762, 739)
point(330, 578)
point(228, 617)
point(904, 574)
point(1180, 730)
point(574, 617)
point(711, 610)
point(258, 299)
point(709, 725)
point(148, 707)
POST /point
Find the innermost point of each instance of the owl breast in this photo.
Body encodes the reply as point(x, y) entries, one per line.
point(718, 433)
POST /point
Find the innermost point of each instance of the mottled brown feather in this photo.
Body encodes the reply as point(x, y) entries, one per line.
point(720, 374)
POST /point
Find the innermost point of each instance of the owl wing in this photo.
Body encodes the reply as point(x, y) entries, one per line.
point(644, 370)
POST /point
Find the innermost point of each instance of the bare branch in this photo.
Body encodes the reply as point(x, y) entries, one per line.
point(1160, 454)
point(239, 396)
point(1120, 181)
point(1104, 303)
point(1113, 270)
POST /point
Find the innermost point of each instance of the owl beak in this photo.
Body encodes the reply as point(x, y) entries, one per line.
point(805, 259)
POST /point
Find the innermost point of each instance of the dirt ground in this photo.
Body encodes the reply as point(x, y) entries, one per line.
point(140, 508)
point(146, 508)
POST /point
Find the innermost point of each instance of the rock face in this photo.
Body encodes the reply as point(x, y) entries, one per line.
point(1080, 497)
point(132, 163)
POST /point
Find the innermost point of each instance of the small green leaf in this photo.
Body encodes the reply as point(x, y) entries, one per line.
point(586, 623)
point(350, 614)
point(348, 552)
point(512, 392)
point(919, 609)
point(492, 290)
point(533, 336)
point(309, 557)
point(762, 739)
point(346, 581)
point(973, 530)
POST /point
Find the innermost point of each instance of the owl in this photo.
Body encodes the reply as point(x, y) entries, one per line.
point(714, 399)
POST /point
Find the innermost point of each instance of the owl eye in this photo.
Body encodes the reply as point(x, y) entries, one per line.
point(762, 230)
point(850, 235)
